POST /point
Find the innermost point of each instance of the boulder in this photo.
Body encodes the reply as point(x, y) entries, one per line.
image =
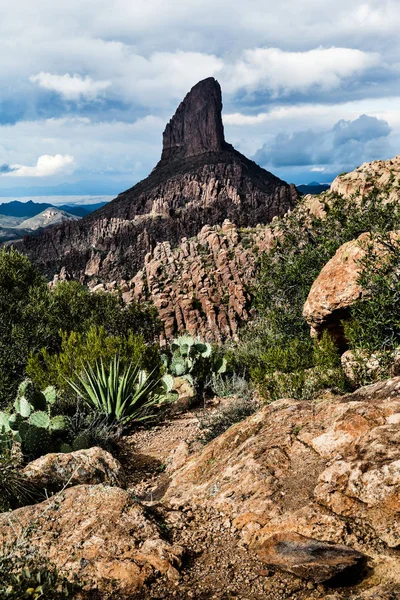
point(334, 291)
point(336, 288)
point(99, 534)
point(53, 472)
point(327, 471)
point(308, 558)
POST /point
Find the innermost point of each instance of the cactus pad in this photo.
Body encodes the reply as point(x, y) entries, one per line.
point(22, 407)
point(50, 394)
point(39, 419)
point(58, 423)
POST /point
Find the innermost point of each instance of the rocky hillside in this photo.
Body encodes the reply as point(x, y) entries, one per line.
point(203, 285)
point(200, 180)
point(300, 501)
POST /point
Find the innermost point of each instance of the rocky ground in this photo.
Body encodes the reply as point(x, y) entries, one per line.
point(299, 501)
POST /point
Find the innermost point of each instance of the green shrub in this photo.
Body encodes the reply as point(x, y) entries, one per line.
point(78, 349)
point(278, 341)
point(33, 317)
point(26, 574)
point(124, 394)
point(373, 331)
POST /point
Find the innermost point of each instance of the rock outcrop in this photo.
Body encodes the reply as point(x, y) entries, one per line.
point(328, 472)
point(53, 472)
point(378, 173)
point(98, 533)
point(199, 180)
point(202, 285)
point(336, 288)
point(334, 291)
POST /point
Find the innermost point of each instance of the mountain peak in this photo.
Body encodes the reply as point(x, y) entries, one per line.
point(196, 127)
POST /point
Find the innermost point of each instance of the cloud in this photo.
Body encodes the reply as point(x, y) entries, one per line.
point(363, 129)
point(281, 72)
point(347, 143)
point(71, 87)
point(45, 167)
point(6, 169)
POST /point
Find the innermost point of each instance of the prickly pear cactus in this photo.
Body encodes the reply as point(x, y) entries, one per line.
point(32, 423)
point(37, 441)
point(82, 441)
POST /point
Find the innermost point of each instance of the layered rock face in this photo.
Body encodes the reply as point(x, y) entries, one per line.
point(201, 286)
point(199, 180)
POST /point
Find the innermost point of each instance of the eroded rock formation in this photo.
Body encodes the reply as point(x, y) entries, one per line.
point(199, 180)
point(201, 286)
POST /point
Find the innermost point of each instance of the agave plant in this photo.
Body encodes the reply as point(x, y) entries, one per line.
point(124, 394)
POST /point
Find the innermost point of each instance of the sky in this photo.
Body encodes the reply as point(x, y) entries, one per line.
point(310, 88)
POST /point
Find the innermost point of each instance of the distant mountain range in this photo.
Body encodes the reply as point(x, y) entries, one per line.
point(18, 219)
point(31, 209)
point(313, 188)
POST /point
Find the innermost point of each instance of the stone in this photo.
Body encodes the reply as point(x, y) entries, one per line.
point(99, 534)
point(308, 558)
point(334, 291)
point(336, 288)
point(53, 472)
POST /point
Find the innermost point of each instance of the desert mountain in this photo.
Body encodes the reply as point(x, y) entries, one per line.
point(200, 180)
point(48, 217)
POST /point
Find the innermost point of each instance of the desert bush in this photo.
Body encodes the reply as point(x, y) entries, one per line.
point(233, 412)
point(33, 317)
point(15, 489)
point(279, 341)
point(86, 428)
point(226, 386)
point(26, 574)
point(373, 331)
point(79, 349)
point(124, 394)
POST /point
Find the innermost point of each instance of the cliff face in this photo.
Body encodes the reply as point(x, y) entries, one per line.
point(199, 180)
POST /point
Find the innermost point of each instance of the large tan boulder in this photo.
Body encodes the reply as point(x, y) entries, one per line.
point(335, 290)
point(53, 472)
point(99, 534)
point(329, 472)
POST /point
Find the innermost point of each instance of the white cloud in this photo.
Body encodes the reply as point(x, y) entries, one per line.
point(71, 87)
point(46, 166)
point(281, 72)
